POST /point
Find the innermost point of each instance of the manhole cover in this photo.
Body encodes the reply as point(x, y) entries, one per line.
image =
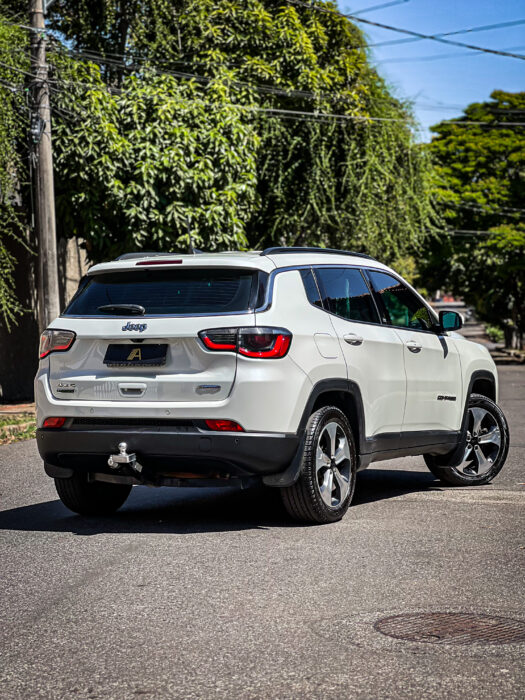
point(452, 628)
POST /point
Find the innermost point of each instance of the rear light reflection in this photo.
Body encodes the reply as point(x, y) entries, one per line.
point(54, 422)
point(252, 342)
point(224, 425)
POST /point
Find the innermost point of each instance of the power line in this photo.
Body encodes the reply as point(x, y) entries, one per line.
point(467, 232)
point(483, 210)
point(283, 112)
point(409, 32)
point(437, 108)
point(470, 30)
point(413, 36)
point(10, 86)
point(100, 59)
point(435, 57)
point(307, 116)
point(17, 70)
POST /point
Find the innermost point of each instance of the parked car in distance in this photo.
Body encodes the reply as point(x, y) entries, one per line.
point(296, 367)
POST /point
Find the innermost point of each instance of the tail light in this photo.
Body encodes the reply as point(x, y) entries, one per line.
point(264, 342)
point(54, 422)
point(224, 425)
point(251, 341)
point(55, 341)
point(220, 338)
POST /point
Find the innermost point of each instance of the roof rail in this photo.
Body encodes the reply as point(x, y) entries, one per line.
point(307, 249)
point(151, 254)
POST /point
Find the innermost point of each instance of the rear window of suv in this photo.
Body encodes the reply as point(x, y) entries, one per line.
point(195, 291)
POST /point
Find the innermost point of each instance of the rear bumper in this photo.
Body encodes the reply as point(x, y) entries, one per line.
point(159, 452)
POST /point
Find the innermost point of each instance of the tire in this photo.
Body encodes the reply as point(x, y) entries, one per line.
point(323, 479)
point(91, 498)
point(483, 458)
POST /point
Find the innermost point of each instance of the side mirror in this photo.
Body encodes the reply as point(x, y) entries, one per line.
point(450, 321)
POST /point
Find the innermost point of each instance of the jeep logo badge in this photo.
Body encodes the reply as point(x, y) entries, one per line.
point(135, 327)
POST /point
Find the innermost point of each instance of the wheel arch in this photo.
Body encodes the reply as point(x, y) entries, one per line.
point(481, 381)
point(484, 383)
point(346, 396)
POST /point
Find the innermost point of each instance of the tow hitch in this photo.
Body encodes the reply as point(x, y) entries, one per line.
point(116, 461)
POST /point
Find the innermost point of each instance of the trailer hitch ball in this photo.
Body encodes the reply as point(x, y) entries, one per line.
point(115, 461)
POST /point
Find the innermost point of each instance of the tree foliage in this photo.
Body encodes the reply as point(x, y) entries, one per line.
point(356, 182)
point(13, 170)
point(480, 187)
point(171, 120)
point(152, 165)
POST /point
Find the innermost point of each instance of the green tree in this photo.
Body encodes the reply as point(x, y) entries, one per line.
point(13, 168)
point(152, 165)
point(480, 188)
point(354, 182)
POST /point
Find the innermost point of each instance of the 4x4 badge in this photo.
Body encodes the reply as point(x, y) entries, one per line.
point(135, 327)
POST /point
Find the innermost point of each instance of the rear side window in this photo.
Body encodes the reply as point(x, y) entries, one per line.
point(310, 287)
point(195, 291)
point(346, 294)
point(404, 309)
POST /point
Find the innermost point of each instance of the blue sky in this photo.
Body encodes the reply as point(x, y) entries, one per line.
point(441, 79)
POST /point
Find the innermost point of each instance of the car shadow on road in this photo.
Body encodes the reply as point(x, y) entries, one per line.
point(377, 484)
point(185, 511)
point(175, 511)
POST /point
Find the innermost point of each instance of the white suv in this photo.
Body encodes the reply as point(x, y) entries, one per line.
point(297, 366)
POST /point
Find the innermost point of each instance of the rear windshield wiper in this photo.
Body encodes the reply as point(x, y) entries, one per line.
point(126, 309)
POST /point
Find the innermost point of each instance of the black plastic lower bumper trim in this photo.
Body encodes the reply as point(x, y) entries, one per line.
point(237, 454)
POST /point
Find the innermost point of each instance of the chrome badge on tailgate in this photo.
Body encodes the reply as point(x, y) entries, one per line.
point(140, 327)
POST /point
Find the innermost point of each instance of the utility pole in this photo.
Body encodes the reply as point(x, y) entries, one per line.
point(48, 296)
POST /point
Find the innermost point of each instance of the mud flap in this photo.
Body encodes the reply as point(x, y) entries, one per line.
point(291, 474)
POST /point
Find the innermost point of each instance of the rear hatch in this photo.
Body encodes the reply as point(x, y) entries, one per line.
point(122, 353)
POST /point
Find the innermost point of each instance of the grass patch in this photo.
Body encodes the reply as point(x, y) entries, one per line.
point(16, 426)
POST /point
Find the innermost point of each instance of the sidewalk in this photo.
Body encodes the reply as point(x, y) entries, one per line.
point(17, 408)
point(475, 330)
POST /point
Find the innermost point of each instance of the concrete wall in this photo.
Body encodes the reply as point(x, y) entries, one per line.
point(19, 346)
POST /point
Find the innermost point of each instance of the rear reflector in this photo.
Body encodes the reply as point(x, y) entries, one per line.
point(224, 425)
point(159, 262)
point(54, 422)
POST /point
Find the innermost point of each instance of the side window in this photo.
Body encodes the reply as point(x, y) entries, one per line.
point(403, 308)
point(346, 294)
point(310, 287)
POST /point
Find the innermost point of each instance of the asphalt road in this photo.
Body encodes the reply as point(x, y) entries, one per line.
point(214, 594)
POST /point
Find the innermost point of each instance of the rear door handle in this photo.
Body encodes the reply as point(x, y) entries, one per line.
point(413, 346)
point(353, 339)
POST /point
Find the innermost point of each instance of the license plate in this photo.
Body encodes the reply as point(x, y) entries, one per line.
point(149, 355)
